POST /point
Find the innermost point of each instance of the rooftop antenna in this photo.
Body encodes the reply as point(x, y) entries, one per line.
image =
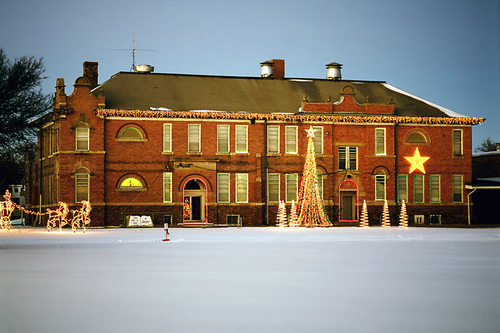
point(133, 49)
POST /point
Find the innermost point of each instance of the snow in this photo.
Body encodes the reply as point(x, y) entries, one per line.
point(442, 109)
point(250, 280)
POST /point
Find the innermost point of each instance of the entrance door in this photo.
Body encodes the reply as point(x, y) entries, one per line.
point(347, 206)
point(195, 194)
point(195, 208)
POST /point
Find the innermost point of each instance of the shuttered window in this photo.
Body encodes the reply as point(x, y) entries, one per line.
point(167, 137)
point(241, 187)
point(418, 189)
point(402, 188)
point(223, 187)
point(273, 187)
point(292, 182)
point(82, 187)
point(167, 187)
point(291, 139)
point(241, 138)
point(273, 135)
point(380, 141)
point(82, 138)
point(435, 188)
point(457, 188)
point(379, 187)
point(194, 136)
point(318, 140)
point(223, 138)
point(348, 158)
point(457, 142)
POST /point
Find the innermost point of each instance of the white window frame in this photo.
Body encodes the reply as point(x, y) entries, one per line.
point(319, 129)
point(289, 177)
point(377, 130)
point(239, 128)
point(291, 130)
point(241, 179)
point(347, 157)
point(279, 186)
point(167, 192)
point(405, 177)
point(167, 138)
point(461, 153)
point(228, 132)
point(87, 176)
point(82, 137)
point(189, 138)
point(423, 188)
point(453, 187)
point(219, 180)
point(438, 188)
point(277, 139)
point(377, 180)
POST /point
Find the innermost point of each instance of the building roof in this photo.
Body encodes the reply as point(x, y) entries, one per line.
point(181, 92)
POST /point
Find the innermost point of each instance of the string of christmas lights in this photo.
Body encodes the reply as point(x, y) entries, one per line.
point(289, 117)
point(386, 219)
point(56, 217)
point(403, 216)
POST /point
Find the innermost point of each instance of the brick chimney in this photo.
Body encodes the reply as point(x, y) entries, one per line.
point(90, 72)
point(278, 68)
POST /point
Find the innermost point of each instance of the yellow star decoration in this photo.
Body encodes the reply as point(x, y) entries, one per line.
point(310, 132)
point(417, 161)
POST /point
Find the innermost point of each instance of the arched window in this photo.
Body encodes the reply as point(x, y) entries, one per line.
point(130, 133)
point(82, 184)
point(131, 183)
point(416, 137)
point(82, 132)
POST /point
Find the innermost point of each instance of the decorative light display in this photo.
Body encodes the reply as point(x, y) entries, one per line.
point(281, 216)
point(311, 210)
point(58, 216)
point(288, 117)
point(386, 219)
point(403, 217)
point(6, 209)
point(81, 217)
point(417, 161)
point(363, 221)
point(186, 209)
point(293, 220)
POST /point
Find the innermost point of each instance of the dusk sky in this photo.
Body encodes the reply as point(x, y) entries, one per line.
point(445, 51)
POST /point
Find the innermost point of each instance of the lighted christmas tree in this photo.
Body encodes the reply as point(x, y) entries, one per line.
point(311, 210)
point(386, 219)
point(363, 222)
point(403, 217)
point(281, 216)
point(293, 220)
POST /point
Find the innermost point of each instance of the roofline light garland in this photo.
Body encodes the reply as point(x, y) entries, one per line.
point(289, 117)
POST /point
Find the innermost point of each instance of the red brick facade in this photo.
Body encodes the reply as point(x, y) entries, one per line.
point(109, 160)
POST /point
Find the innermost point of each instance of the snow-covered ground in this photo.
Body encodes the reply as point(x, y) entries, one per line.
point(250, 280)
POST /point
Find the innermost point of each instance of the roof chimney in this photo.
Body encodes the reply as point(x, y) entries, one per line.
point(333, 71)
point(266, 69)
point(90, 72)
point(278, 68)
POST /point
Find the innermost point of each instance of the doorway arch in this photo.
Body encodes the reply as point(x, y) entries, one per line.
point(348, 201)
point(194, 198)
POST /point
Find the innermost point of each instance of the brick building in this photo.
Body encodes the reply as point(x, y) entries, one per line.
point(144, 144)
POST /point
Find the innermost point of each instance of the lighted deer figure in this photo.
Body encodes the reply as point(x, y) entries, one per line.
point(81, 217)
point(6, 209)
point(58, 216)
